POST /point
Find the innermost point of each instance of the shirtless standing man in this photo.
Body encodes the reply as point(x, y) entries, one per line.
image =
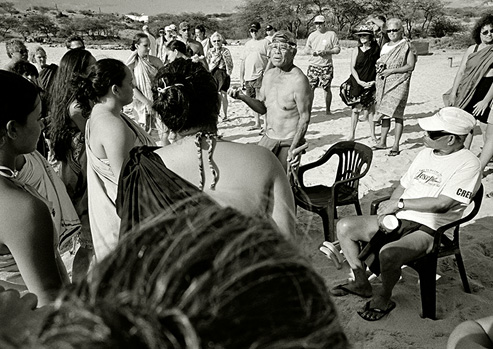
point(322, 44)
point(286, 98)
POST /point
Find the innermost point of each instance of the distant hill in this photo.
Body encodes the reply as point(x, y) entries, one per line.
point(468, 3)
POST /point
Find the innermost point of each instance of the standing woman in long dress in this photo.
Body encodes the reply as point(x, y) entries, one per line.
point(221, 67)
point(473, 84)
point(144, 68)
point(110, 135)
point(28, 256)
point(362, 80)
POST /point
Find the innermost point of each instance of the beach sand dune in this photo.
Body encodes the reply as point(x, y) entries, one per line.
point(403, 328)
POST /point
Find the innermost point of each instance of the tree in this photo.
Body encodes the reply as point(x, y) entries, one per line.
point(41, 24)
point(8, 7)
point(8, 23)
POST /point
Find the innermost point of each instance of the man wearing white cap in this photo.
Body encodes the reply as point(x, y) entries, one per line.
point(434, 191)
point(322, 44)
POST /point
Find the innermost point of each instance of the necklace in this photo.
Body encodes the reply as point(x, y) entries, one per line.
point(7, 172)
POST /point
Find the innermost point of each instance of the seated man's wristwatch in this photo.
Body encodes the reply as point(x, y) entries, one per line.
point(400, 204)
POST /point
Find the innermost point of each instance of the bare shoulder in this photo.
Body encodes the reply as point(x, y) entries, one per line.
point(106, 125)
point(156, 61)
point(19, 208)
point(254, 154)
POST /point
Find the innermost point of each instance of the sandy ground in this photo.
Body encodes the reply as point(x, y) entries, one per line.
point(403, 328)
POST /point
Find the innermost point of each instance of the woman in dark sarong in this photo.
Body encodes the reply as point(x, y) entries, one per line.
point(473, 84)
point(245, 177)
point(362, 79)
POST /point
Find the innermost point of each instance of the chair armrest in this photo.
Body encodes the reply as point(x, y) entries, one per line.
point(375, 203)
point(302, 169)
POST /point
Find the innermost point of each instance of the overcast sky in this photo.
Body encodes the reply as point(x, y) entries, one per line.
point(148, 7)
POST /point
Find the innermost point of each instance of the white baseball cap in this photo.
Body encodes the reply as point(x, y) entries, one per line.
point(319, 19)
point(449, 119)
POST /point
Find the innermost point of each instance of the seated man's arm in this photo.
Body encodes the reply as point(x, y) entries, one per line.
point(440, 204)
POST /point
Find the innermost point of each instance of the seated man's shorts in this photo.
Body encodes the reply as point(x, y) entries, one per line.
point(380, 239)
point(253, 87)
point(320, 76)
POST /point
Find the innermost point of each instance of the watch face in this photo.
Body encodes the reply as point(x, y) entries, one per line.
point(400, 204)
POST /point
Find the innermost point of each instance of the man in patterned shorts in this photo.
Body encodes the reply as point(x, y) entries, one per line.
point(322, 44)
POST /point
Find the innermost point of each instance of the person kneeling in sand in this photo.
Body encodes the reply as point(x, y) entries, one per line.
point(286, 98)
point(434, 191)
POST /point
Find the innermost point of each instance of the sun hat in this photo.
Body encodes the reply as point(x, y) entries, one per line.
point(255, 26)
point(364, 30)
point(449, 119)
point(319, 19)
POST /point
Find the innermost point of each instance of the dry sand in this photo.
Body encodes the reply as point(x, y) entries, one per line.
point(403, 328)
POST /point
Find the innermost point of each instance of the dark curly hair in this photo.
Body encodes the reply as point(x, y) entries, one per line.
point(102, 75)
point(486, 19)
point(62, 95)
point(179, 46)
point(185, 97)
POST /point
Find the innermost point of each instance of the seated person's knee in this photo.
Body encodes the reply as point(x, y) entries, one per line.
point(390, 258)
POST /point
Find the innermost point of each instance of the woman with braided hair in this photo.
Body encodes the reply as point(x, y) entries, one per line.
point(244, 176)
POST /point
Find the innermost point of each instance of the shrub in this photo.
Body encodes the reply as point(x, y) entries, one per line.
point(444, 26)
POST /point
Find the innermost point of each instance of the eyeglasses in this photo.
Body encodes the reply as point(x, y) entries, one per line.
point(185, 29)
point(253, 31)
point(393, 30)
point(280, 46)
point(486, 32)
point(434, 135)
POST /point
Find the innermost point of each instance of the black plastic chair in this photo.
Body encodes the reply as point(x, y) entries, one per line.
point(442, 246)
point(354, 163)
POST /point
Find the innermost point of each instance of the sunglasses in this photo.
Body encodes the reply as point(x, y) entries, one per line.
point(216, 40)
point(434, 135)
point(253, 31)
point(393, 30)
point(185, 29)
point(486, 32)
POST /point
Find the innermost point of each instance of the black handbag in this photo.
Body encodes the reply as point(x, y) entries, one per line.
point(345, 93)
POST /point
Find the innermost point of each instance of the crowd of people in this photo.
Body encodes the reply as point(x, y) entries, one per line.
point(191, 243)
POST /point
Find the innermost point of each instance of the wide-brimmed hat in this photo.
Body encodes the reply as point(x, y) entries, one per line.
point(449, 119)
point(364, 30)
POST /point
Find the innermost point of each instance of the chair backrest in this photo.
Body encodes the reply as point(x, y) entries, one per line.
point(354, 162)
point(440, 238)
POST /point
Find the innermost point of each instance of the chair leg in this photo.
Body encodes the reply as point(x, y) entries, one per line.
point(326, 224)
point(462, 272)
point(332, 213)
point(427, 283)
point(358, 208)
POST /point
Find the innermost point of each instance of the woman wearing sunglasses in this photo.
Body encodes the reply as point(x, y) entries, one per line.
point(221, 67)
point(473, 84)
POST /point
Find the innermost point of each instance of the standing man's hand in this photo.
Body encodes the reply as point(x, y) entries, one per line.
point(294, 156)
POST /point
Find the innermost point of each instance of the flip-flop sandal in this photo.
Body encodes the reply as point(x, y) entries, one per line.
point(375, 314)
point(332, 253)
point(342, 290)
point(254, 128)
point(394, 153)
point(376, 147)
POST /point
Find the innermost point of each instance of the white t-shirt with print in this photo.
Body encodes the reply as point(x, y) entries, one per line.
point(256, 56)
point(320, 42)
point(455, 175)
